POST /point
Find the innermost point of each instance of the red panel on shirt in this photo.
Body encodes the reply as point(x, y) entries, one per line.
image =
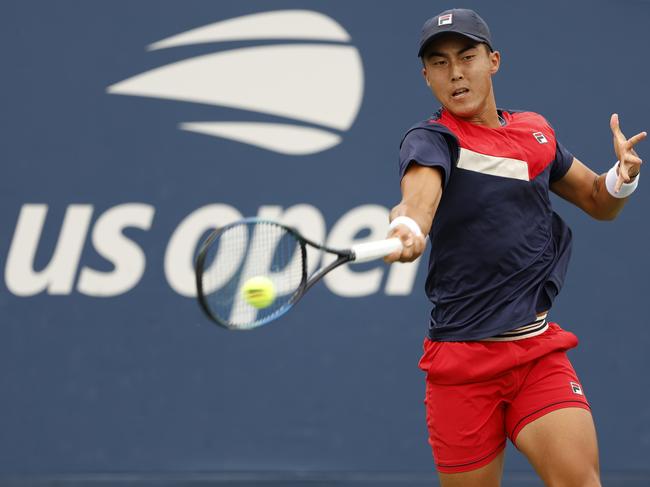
point(526, 136)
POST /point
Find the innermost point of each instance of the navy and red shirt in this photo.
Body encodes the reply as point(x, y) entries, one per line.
point(499, 253)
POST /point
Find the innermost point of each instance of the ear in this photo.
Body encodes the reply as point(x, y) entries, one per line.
point(424, 75)
point(495, 62)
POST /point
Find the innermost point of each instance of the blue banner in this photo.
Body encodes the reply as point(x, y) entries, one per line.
point(131, 129)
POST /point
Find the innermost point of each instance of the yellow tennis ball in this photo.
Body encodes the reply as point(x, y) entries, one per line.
point(259, 292)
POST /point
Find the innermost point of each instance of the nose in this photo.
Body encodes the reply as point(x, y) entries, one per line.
point(456, 73)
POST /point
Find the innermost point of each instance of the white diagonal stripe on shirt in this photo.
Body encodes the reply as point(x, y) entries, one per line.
point(493, 165)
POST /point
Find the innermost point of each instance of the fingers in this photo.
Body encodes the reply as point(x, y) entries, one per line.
point(631, 159)
point(394, 257)
point(414, 250)
point(624, 149)
point(622, 178)
point(413, 245)
point(616, 127)
point(614, 124)
point(632, 141)
point(401, 232)
point(624, 173)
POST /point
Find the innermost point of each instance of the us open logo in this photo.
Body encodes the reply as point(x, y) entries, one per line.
point(315, 88)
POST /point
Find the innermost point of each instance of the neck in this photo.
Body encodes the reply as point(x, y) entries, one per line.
point(487, 116)
point(487, 119)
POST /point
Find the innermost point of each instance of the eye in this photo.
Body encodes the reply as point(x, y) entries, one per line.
point(439, 62)
point(469, 57)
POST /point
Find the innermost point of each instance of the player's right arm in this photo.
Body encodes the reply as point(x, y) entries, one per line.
point(421, 191)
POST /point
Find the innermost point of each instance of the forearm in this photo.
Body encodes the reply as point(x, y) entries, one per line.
point(605, 206)
point(608, 198)
point(421, 193)
point(421, 213)
point(588, 190)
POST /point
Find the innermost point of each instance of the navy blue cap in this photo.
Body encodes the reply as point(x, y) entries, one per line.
point(459, 20)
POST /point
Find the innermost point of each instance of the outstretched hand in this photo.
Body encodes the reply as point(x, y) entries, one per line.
point(629, 160)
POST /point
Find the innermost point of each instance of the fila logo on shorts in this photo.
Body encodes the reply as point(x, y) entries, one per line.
point(540, 137)
point(575, 387)
point(445, 19)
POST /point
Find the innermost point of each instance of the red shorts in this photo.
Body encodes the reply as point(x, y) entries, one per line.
point(480, 393)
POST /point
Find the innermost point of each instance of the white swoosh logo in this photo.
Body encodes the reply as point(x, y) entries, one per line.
point(270, 136)
point(321, 84)
point(281, 24)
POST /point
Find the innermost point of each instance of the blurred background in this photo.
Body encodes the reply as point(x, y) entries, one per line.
point(130, 129)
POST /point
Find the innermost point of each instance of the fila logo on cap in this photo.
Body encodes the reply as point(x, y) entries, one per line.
point(540, 137)
point(445, 19)
point(576, 388)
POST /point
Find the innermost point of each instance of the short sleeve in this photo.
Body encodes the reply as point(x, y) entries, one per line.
point(561, 164)
point(427, 148)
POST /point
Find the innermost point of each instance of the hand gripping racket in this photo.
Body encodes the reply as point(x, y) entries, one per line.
point(253, 251)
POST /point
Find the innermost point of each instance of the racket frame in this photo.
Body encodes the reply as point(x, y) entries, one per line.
point(306, 282)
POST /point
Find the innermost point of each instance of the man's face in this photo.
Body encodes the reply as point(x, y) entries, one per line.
point(459, 72)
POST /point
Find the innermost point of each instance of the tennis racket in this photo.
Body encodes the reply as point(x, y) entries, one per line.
point(253, 251)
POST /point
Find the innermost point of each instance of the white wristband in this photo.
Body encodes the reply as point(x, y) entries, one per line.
point(626, 189)
point(410, 223)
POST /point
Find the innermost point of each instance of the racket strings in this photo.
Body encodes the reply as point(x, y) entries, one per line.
point(250, 250)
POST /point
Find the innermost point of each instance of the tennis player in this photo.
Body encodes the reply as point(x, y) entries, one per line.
point(476, 179)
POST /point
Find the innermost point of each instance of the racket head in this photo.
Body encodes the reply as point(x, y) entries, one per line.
point(250, 248)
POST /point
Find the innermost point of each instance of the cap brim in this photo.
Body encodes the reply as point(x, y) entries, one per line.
point(439, 34)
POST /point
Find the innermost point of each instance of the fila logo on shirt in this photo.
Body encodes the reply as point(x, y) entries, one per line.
point(445, 19)
point(540, 137)
point(576, 388)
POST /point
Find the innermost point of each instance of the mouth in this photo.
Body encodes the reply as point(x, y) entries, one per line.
point(459, 93)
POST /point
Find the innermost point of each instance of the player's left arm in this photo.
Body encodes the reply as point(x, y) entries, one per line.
point(586, 189)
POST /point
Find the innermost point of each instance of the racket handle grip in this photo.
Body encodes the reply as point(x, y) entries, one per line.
point(375, 250)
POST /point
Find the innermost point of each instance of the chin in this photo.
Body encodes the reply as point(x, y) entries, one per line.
point(462, 111)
